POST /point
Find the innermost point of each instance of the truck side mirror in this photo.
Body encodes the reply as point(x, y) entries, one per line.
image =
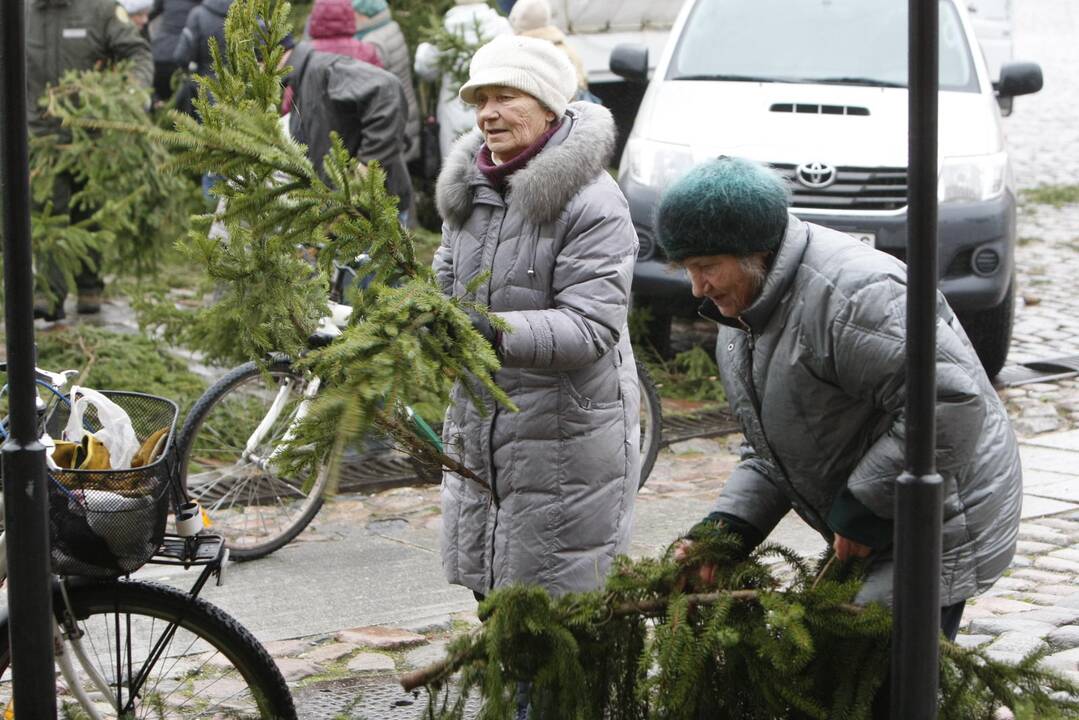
point(1021, 78)
point(630, 61)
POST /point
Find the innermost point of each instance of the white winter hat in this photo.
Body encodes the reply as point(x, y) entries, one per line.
point(528, 64)
point(530, 15)
point(134, 7)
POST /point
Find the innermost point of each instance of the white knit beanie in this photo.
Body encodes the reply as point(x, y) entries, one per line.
point(134, 7)
point(530, 15)
point(527, 64)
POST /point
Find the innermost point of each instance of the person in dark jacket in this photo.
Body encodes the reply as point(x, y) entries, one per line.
point(170, 17)
point(63, 35)
point(331, 27)
point(205, 21)
point(812, 355)
point(376, 26)
point(362, 103)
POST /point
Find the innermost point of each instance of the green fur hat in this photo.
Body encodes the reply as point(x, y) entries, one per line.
point(726, 206)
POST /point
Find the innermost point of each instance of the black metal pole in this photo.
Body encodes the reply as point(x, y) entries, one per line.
point(918, 499)
point(30, 622)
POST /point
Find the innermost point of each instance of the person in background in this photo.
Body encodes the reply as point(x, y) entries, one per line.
point(331, 27)
point(376, 26)
point(532, 18)
point(206, 20)
point(362, 103)
point(169, 18)
point(63, 35)
point(476, 23)
point(812, 354)
point(138, 12)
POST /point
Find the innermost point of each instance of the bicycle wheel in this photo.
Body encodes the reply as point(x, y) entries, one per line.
point(257, 509)
point(159, 653)
point(651, 422)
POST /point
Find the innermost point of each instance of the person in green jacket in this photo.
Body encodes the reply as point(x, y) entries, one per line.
point(63, 35)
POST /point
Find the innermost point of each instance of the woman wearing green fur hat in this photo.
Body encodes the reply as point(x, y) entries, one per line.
point(811, 352)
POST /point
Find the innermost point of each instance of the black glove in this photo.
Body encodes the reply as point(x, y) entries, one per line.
point(484, 328)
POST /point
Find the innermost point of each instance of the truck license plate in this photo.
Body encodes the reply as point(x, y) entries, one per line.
point(868, 238)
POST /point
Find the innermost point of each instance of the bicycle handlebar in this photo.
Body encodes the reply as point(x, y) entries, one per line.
point(58, 380)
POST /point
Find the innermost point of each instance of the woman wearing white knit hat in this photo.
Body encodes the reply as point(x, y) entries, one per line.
point(532, 18)
point(531, 214)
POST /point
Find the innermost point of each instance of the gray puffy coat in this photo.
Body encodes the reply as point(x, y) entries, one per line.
point(561, 248)
point(817, 380)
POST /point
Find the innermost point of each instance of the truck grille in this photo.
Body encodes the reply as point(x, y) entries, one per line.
point(854, 188)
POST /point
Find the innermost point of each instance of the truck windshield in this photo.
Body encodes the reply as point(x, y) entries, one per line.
point(846, 42)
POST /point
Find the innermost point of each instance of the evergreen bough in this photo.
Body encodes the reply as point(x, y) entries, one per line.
point(407, 343)
point(651, 645)
point(136, 208)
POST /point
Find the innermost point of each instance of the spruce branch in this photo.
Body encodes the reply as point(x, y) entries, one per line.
point(642, 649)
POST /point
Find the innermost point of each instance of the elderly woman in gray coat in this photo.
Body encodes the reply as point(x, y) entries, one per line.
point(527, 200)
point(811, 351)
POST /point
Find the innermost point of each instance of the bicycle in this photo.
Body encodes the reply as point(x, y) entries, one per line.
point(230, 435)
point(127, 648)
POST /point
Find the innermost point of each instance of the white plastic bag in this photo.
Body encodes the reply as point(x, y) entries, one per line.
point(116, 433)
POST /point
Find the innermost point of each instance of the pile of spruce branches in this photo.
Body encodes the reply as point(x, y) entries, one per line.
point(752, 647)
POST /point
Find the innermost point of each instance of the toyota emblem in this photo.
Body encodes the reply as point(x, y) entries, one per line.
point(816, 175)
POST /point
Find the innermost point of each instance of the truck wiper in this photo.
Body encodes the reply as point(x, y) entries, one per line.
point(867, 81)
point(736, 78)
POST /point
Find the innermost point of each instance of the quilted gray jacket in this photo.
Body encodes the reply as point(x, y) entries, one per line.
point(816, 376)
point(563, 470)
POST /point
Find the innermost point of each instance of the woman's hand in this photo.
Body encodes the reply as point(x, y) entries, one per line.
point(845, 548)
point(706, 572)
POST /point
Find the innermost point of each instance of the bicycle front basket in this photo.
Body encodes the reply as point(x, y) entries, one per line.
point(108, 523)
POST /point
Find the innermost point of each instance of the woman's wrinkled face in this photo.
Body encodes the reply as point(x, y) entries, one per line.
point(729, 281)
point(510, 120)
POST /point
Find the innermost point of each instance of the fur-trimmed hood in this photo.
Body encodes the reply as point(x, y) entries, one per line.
point(577, 153)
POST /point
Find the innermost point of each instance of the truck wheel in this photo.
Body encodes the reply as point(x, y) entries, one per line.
point(990, 331)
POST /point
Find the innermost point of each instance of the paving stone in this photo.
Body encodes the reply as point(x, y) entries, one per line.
point(330, 652)
point(1056, 615)
point(1044, 599)
point(1001, 605)
point(1069, 553)
point(1062, 589)
point(969, 641)
point(1030, 547)
point(371, 662)
point(428, 625)
point(1065, 661)
point(1067, 526)
point(1038, 533)
point(426, 655)
point(1003, 624)
point(696, 446)
point(284, 648)
point(385, 638)
point(1041, 576)
point(1035, 425)
point(294, 669)
point(1013, 584)
point(1035, 507)
point(1044, 458)
point(1021, 561)
point(1069, 601)
point(1055, 564)
point(1064, 638)
point(1016, 643)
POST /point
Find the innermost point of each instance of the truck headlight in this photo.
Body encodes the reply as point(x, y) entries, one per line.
point(654, 164)
point(972, 179)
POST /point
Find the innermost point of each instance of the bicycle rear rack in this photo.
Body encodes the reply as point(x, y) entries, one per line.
point(205, 549)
